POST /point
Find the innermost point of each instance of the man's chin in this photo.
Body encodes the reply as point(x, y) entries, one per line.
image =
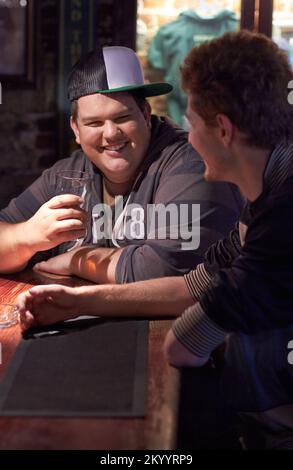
point(119, 174)
point(208, 176)
point(116, 165)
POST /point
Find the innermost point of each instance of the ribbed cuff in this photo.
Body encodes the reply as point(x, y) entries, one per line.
point(197, 281)
point(195, 331)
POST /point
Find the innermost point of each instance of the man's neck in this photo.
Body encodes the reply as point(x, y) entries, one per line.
point(250, 173)
point(110, 190)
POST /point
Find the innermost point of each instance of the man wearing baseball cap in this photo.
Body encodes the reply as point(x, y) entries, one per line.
point(146, 182)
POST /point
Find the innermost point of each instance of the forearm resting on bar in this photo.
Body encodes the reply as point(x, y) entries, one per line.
point(15, 251)
point(164, 297)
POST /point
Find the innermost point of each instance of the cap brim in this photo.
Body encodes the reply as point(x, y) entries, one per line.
point(150, 89)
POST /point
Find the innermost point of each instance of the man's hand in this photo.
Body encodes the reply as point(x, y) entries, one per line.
point(61, 264)
point(43, 305)
point(179, 356)
point(57, 221)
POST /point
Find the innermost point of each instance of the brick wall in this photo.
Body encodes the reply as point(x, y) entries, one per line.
point(28, 116)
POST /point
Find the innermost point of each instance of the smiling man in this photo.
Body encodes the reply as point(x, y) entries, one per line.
point(149, 204)
point(114, 133)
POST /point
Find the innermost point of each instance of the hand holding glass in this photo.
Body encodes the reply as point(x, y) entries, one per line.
point(78, 183)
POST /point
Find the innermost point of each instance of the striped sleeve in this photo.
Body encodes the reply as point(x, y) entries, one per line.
point(197, 333)
point(197, 281)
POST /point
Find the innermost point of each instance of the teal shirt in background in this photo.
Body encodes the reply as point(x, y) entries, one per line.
point(174, 40)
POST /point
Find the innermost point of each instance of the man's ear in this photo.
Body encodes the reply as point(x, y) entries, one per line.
point(147, 114)
point(226, 129)
point(75, 129)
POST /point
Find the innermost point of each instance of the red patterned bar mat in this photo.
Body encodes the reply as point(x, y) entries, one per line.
point(9, 290)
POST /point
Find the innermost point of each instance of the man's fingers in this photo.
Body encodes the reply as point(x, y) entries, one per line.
point(64, 200)
point(71, 235)
point(42, 266)
point(43, 292)
point(26, 321)
point(68, 236)
point(23, 302)
point(69, 225)
point(71, 213)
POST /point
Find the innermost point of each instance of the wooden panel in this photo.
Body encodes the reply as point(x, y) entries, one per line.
point(247, 14)
point(116, 23)
point(265, 17)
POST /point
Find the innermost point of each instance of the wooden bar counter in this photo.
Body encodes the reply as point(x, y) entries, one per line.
point(157, 430)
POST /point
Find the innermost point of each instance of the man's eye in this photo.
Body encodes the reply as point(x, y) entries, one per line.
point(126, 117)
point(94, 124)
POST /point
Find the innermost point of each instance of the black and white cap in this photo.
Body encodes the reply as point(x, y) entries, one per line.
point(111, 69)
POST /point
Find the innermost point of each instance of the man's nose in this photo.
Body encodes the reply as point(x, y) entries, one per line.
point(110, 129)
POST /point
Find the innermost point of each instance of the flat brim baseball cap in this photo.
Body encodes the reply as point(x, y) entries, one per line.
point(109, 70)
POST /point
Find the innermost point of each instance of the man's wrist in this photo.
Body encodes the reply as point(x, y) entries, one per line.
point(88, 299)
point(197, 281)
point(197, 332)
point(25, 245)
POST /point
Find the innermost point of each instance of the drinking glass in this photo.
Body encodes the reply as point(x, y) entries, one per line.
point(8, 315)
point(78, 183)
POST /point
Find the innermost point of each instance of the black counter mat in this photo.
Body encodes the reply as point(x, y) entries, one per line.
point(88, 367)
